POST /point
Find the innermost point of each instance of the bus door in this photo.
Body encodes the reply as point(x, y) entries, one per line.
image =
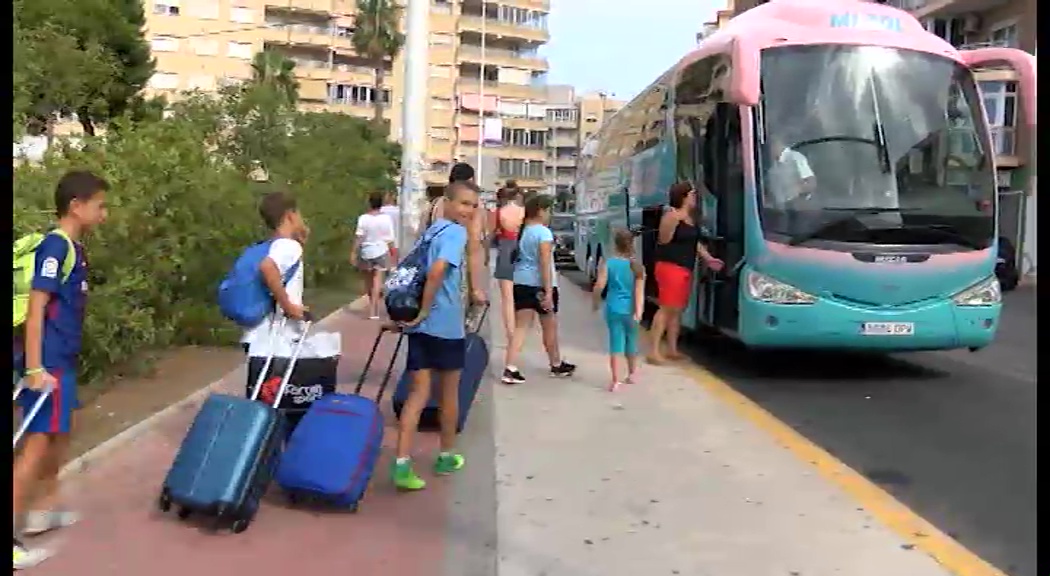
point(724, 178)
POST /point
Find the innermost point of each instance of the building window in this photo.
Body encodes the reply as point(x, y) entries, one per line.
point(439, 39)
point(355, 95)
point(441, 133)
point(562, 115)
point(205, 46)
point(440, 71)
point(1000, 106)
point(440, 103)
point(951, 30)
point(164, 44)
point(522, 138)
point(164, 81)
point(441, 6)
point(1005, 36)
point(168, 8)
point(204, 9)
point(242, 50)
point(242, 15)
point(344, 31)
point(518, 168)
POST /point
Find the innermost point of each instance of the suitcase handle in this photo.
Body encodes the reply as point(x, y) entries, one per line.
point(481, 319)
point(372, 356)
point(28, 418)
point(296, 351)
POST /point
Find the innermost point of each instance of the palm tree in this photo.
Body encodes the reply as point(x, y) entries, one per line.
point(274, 69)
point(377, 38)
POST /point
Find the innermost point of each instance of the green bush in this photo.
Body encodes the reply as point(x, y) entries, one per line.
point(182, 207)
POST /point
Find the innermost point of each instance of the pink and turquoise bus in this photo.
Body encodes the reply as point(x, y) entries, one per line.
point(847, 178)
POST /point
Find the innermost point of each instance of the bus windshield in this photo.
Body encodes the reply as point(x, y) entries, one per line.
point(873, 145)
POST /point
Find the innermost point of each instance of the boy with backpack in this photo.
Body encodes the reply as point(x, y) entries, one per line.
point(436, 337)
point(51, 282)
point(282, 266)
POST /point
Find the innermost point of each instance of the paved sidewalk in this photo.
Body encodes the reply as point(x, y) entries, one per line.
point(450, 524)
point(661, 478)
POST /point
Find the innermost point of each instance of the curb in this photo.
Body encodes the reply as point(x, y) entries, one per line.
point(83, 462)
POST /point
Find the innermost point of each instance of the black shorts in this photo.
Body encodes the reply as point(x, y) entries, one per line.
point(529, 297)
point(426, 352)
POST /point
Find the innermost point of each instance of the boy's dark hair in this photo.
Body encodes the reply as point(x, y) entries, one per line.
point(678, 192)
point(461, 172)
point(511, 184)
point(375, 200)
point(274, 206)
point(77, 185)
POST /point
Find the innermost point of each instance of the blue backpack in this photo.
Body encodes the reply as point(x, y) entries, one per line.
point(404, 284)
point(243, 295)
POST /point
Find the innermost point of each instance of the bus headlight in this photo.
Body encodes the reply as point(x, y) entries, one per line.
point(984, 293)
point(766, 289)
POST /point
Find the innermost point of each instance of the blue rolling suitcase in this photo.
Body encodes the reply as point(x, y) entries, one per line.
point(333, 452)
point(476, 362)
point(227, 458)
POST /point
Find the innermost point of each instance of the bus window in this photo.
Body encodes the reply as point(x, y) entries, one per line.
point(694, 106)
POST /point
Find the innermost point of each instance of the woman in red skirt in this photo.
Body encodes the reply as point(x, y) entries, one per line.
point(678, 246)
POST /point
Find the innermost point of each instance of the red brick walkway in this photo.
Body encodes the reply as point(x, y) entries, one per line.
point(123, 533)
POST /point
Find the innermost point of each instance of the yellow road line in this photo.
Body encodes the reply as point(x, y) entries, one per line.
point(911, 527)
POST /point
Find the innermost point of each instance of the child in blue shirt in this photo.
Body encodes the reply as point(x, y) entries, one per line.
point(436, 338)
point(46, 356)
point(623, 281)
point(535, 291)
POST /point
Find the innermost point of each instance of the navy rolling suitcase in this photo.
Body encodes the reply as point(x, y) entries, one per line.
point(227, 458)
point(475, 364)
point(333, 452)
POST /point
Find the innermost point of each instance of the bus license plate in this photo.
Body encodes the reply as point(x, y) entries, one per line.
point(888, 329)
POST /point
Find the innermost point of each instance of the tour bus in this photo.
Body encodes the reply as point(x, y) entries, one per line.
point(845, 172)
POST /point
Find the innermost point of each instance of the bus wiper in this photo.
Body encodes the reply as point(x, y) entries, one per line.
point(878, 131)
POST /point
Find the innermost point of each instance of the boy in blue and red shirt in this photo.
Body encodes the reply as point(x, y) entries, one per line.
point(47, 357)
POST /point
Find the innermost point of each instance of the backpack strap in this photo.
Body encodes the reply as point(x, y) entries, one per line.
point(70, 261)
point(291, 272)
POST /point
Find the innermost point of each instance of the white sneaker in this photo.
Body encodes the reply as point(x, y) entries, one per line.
point(28, 557)
point(38, 522)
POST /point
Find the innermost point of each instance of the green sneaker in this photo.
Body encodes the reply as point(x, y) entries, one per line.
point(448, 463)
point(404, 477)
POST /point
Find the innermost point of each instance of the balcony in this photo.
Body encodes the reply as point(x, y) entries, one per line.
point(562, 162)
point(503, 29)
point(469, 85)
point(318, 7)
point(502, 57)
point(305, 35)
point(559, 140)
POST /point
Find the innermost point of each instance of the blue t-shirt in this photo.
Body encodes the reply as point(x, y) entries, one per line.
point(619, 299)
point(449, 242)
point(527, 268)
point(64, 314)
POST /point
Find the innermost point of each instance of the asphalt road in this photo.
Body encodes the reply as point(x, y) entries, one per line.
point(950, 434)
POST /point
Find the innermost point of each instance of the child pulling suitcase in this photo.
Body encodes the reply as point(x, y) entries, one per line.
point(333, 452)
point(227, 458)
point(474, 367)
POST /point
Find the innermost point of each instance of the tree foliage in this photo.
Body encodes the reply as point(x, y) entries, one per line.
point(183, 206)
point(378, 39)
point(83, 56)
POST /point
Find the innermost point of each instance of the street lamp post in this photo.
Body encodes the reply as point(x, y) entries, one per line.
point(413, 118)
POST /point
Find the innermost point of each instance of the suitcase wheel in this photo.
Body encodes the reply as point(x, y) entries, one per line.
point(293, 499)
point(184, 513)
point(240, 525)
point(353, 508)
point(164, 502)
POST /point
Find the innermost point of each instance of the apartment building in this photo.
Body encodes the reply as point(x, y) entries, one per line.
point(486, 82)
point(571, 120)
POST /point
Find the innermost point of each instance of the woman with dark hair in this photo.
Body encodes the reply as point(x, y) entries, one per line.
point(373, 242)
point(507, 219)
point(678, 246)
point(535, 290)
